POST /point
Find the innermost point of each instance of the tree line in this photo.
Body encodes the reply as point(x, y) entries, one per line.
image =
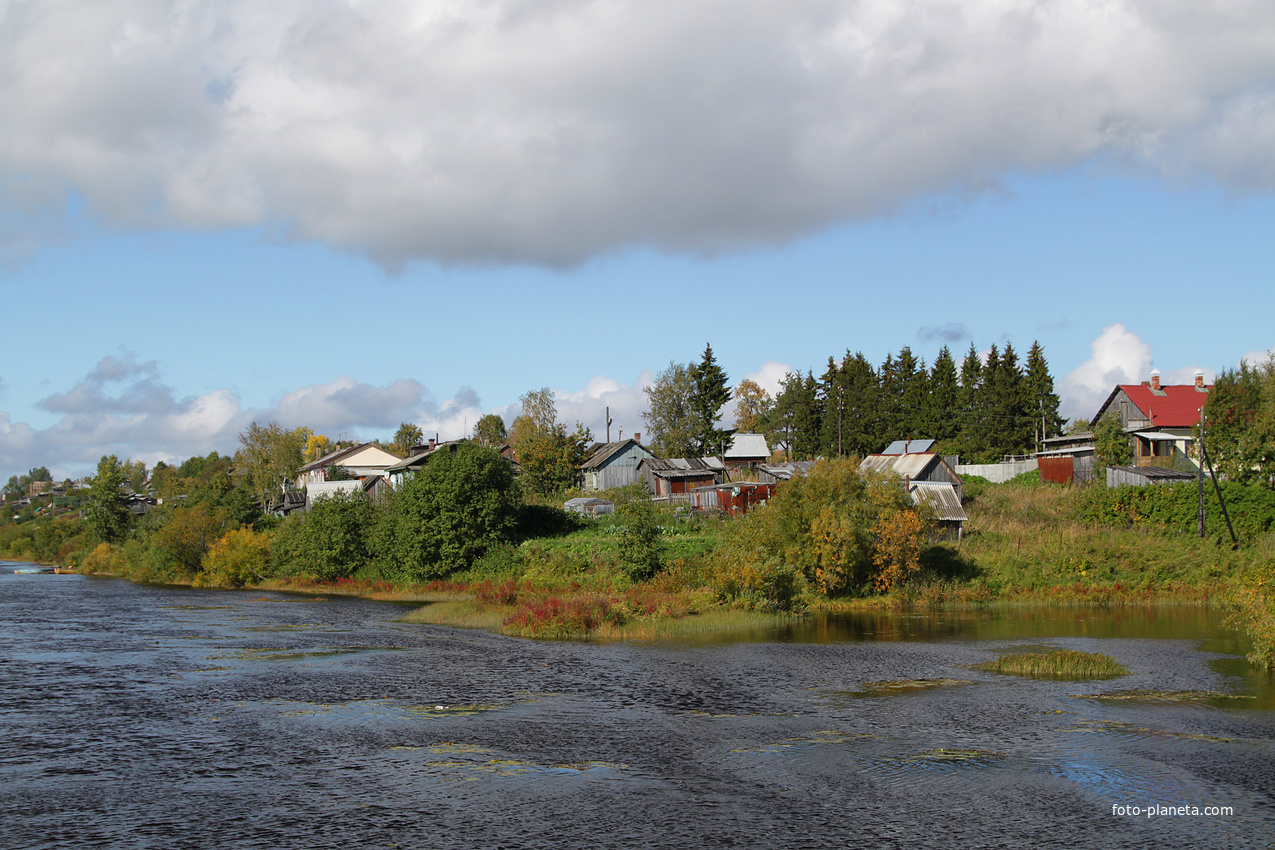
point(982, 410)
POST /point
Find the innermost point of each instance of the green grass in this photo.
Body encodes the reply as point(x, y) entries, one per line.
point(1059, 664)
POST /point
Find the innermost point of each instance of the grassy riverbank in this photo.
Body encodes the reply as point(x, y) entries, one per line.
point(1025, 544)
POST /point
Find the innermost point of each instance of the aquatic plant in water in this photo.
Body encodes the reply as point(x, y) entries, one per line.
point(1058, 664)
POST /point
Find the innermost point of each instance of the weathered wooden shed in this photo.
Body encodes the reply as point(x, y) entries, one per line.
point(675, 476)
point(921, 466)
point(613, 464)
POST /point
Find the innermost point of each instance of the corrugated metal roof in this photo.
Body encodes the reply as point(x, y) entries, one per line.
point(1172, 406)
point(605, 451)
point(785, 471)
point(941, 498)
point(905, 466)
point(659, 464)
point(747, 446)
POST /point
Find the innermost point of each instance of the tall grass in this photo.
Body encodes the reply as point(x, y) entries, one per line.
point(1029, 542)
point(1059, 664)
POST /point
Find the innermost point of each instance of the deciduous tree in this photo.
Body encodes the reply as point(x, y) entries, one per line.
point(105, 512)
point(752, 406)
point(490, 431)
point(451, 512)
point(670, 419)
point(269, 457)
point(405, 437)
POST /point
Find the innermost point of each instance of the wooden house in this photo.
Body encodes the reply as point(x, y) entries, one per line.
point(674, 477)
point(1160, 420)
point(360, 461)
point(923, 466)
point(613, 464)
point(747, 451)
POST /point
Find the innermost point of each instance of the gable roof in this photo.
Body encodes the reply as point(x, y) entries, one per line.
point(1171, 406)
point(365, 455)
point(682, 467)
point(602, 452)
point(743, 446)
point(905, 466)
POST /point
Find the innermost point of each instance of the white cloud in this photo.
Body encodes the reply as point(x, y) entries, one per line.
point(770, 376)
point(122, 407)
point(345, 403)
point(551, 132)
point(1119, 356)
point(1258, 358)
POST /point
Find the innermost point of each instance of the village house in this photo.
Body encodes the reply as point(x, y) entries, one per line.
point(399, 471)
point(1160, 420)
point(747, 451)
point(615, 464)
point(360, 462)
point(929, 480)
point(673, 477)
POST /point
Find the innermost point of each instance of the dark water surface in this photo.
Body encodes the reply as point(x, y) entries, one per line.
point(156, 717)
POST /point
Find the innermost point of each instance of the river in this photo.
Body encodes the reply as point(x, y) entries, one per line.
point(138, 716)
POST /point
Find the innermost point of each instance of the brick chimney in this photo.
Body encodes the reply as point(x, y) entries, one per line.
point(431, 444)
point(637, 437)
point(1199, 380)
point(1155, 379)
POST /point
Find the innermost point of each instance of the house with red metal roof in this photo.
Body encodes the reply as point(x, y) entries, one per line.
point(1159, 418)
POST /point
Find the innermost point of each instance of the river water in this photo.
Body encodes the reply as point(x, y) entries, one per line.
point(137, 716)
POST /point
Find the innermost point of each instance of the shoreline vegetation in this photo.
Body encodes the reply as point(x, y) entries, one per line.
point(1026, 544)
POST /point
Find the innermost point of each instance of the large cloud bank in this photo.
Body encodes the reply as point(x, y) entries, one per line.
point(550, 132)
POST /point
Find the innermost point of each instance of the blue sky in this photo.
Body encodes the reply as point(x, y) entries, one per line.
point(347, 217)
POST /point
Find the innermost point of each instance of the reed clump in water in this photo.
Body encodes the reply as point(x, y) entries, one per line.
point(1058, 664)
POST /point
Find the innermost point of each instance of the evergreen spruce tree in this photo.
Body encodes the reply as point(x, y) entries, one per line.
point(1042, 402)
point(943, 399)
point(912, 381)
point(971, 383)
point(711, 393)
point(862, 427)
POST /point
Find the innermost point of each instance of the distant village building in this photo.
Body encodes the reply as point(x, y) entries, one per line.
point(930, 480)
point(615, 464)
point(360, 461)
point(734, 498)
point(672, 477)
point(1159, 419)
point(769, 473)
point(746, 451)
point(924, 466)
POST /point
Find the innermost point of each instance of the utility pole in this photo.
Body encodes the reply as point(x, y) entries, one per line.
point(1199, 477)
point(841, 409)
point(608, 423)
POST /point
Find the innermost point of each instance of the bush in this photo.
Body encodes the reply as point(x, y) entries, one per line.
point(104, 558)
point(822, 525)
point(639, 544)
point(450, 513)
point(332, 540)
point(1174, 507)
point(237, 558)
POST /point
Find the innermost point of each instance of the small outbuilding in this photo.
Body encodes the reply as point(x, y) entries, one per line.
point(612, 465)
point(592, 508)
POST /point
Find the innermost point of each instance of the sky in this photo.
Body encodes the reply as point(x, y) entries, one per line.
point(348, 215)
